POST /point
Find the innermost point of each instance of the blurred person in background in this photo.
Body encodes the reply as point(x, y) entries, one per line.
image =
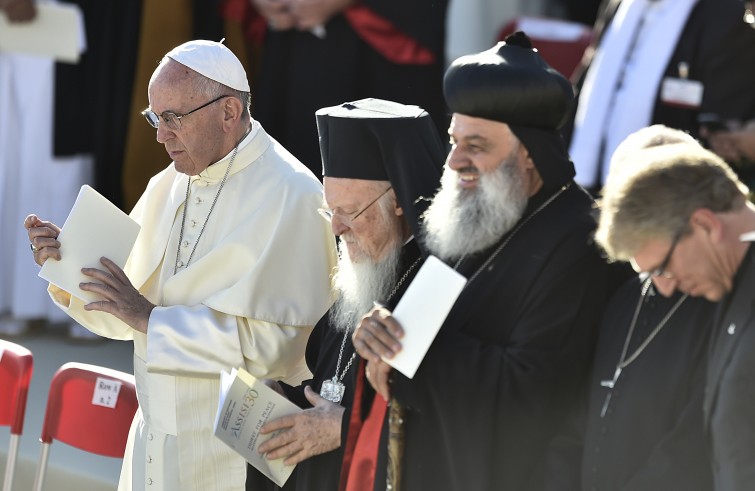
point(737, 147)
point(315, 54)
point(31, 177)
point(660, 62)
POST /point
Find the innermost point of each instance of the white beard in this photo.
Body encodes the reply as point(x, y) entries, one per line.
point(465, 221)
point(359, 284)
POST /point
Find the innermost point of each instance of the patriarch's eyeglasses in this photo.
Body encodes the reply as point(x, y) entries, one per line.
point(328, 214)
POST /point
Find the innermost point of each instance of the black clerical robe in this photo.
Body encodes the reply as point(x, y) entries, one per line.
point(508, 361)
point(322, 472)
point(93, 96)
point(651, 435)
point(716, 45)
point(301, 73)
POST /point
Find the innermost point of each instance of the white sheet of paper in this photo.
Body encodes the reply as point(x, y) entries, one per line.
point(55, 32)
point(95, 228)
point(106, 392)
point(422, 310)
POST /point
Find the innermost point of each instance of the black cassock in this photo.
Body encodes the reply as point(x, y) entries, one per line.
point(651, 435)
point(301, 73)
point(322, 472)
point(508, 362)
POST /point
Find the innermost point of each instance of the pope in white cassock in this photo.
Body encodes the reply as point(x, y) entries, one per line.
point(231, 269)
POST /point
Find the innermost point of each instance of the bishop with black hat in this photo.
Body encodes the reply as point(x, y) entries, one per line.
point(513, 353)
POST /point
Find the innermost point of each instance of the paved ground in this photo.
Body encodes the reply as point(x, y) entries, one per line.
point(68, 468)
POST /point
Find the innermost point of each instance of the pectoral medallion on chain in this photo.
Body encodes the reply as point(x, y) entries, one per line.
point(332, 390)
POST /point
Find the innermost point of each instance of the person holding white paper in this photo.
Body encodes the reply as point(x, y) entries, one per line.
point(230, 269)
point(513, 354)
point(373, 202)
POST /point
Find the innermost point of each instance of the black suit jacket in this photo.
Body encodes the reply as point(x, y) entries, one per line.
point(729, 403)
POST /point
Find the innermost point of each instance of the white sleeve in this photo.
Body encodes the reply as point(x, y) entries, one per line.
point(100, 323)
point(196, 341)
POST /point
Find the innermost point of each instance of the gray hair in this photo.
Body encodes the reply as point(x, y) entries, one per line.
point(212, 89)
point(656, 191)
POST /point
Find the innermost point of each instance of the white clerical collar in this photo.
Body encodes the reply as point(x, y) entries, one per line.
point(215, 172)
point(747, 237)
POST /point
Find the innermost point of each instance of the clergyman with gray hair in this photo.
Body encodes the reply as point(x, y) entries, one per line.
point(641, 426)
point(684, 213)
point(231, 269)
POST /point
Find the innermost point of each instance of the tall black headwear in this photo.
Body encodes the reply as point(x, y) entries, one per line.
point(380, 140)
point(512, 84)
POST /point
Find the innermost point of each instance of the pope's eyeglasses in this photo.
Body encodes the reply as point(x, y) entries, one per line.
point(173, 120)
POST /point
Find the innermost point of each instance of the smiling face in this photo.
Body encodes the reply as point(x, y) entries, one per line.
point(480, 146)
point(201, 140)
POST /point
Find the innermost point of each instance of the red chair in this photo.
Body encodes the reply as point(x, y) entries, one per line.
point(73, 416)
point(16, 365)
point(561, 43)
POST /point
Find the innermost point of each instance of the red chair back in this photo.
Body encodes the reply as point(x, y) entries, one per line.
point(561, 43)
point(71, 417)
point(16, 365)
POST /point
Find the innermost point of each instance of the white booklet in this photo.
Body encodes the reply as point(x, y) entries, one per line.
point(56, 31)
point(246, 404)
point(95, 228)
point(422, 310)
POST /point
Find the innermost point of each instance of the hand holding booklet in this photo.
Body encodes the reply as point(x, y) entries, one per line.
point(95, 228)
point(246, 404)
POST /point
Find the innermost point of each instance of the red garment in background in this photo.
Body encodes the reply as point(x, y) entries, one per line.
point(375, 30)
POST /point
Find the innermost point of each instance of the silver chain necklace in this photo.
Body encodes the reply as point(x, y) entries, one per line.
point(625, 361)
point(334, 388)
point(511, 235)
point(212, 207)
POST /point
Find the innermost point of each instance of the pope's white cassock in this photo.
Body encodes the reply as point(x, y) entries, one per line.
point(258, 281)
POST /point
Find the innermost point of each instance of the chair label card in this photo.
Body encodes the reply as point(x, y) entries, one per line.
point(106, 392)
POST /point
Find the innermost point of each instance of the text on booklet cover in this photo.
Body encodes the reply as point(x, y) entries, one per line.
point(246, 404)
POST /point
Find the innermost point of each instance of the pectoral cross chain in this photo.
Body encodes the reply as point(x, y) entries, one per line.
point(609, 384)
